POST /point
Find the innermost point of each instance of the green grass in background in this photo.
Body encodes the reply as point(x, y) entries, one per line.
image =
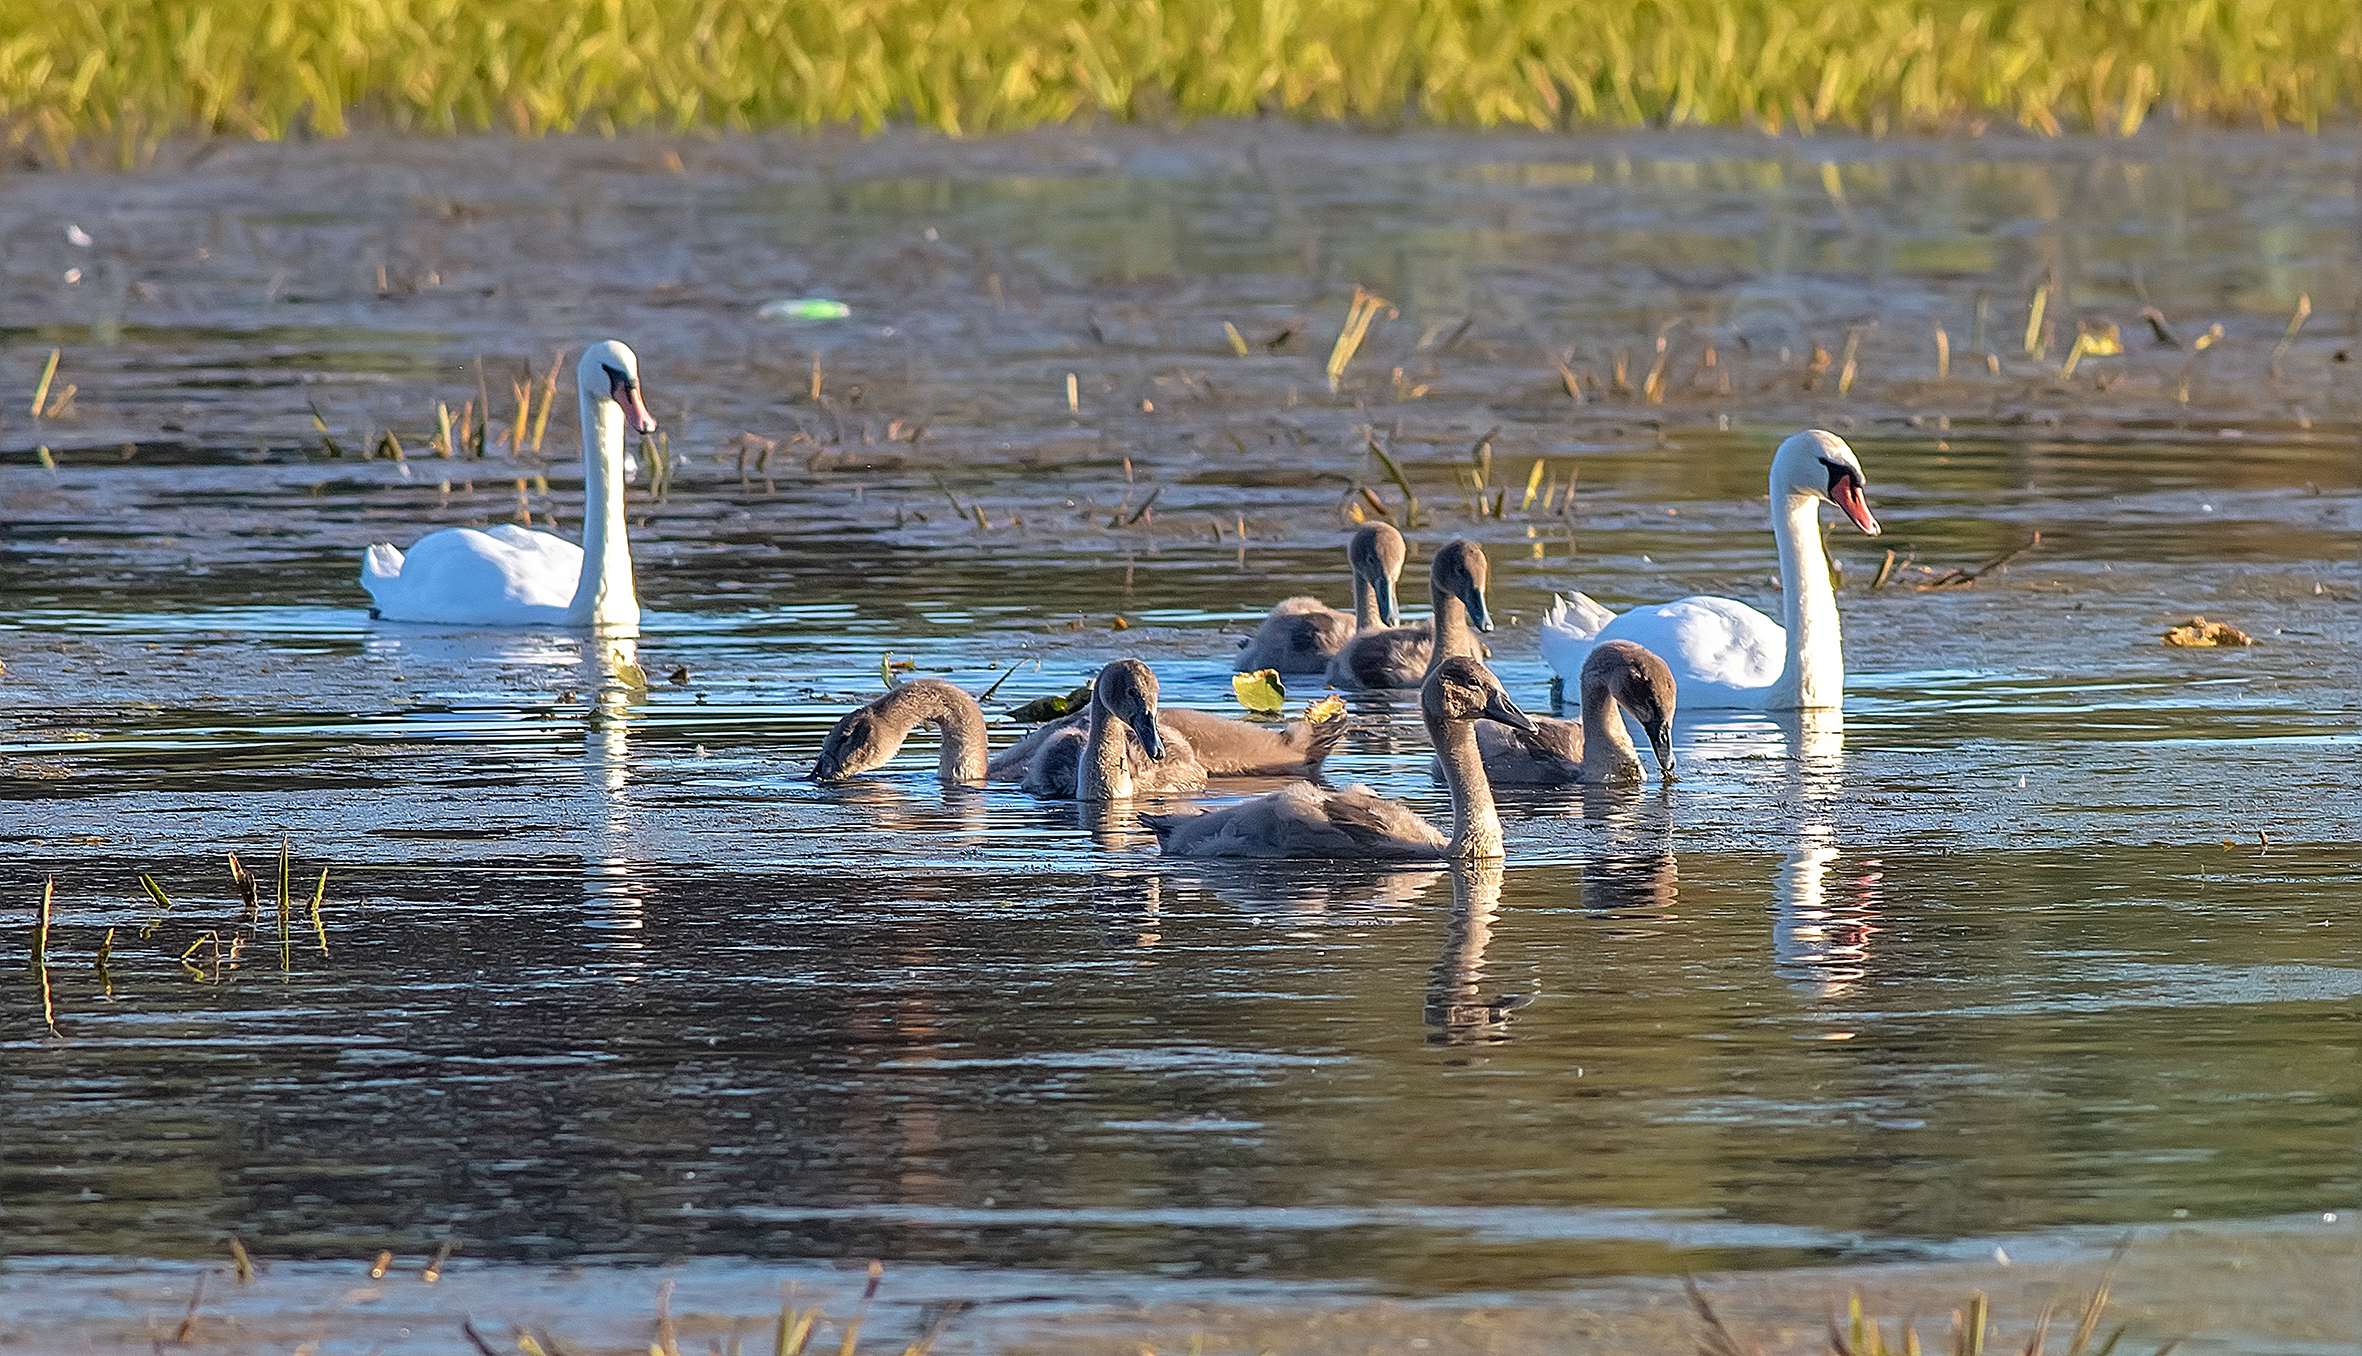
point(115, 77)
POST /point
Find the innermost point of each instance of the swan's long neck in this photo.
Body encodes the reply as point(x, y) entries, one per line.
point(1453, 634)
point(605, 597)
point(1608, 752)
point(1814, 675)
point(965, 744)
point(1476, 825)
point(1104, 774)
point(1365, 603)
point(955, 714)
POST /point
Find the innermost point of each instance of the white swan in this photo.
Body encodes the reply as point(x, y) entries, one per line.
point(1724, 653)
point(511, 576)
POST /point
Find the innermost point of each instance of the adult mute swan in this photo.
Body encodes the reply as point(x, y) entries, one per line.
point(1400, 656)
point(1722, 652)
point(1301, 635)
point(511, 576)
point(1357, 824)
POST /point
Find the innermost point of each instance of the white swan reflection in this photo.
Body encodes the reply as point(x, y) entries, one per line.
point(1823, 920)
point(614, 888)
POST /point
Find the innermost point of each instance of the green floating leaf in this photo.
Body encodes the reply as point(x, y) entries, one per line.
point(1260, 691)
point(1042, 709)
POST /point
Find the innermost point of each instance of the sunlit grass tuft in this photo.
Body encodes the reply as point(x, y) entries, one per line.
point(124, 74)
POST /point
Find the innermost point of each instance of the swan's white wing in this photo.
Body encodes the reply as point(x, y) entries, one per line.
point(505, 576)
point(1569, 629)
point(1723, 653)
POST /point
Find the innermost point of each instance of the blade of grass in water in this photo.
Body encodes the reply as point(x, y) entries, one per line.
point(41, 956)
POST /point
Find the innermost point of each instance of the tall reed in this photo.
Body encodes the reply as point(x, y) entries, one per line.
point(123, 74)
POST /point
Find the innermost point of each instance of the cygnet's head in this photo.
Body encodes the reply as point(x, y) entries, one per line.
point(1127, 690)
point(1818, 463)
point(611, 371)
point(855, 745)
point(1376, 553)
point(1641, 684)
point(1461, 688)
point(1461, 570)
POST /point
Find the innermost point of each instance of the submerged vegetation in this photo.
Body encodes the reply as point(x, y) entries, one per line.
point(125, 74)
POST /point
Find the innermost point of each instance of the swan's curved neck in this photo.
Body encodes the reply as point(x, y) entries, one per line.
point(1814, 675)
point(1608, 752)
point(955, 714)
point(1476, 824)
point(604, 598)
point(1453, 634)
point(1104, 774)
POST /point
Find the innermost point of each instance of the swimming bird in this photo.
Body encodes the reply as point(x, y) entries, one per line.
point(1356, 824)
point(1398, 656)
point(1301, 635)
point(512, 576)
point(867, 738)
point(1722, 652)
point(1120, 751)
point(1618, 676)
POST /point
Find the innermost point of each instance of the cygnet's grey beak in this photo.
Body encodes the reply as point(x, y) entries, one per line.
point(1478, 615)
point(1502, 709)
point(1143, 723)
point(1660, 736)
point(1389, 610)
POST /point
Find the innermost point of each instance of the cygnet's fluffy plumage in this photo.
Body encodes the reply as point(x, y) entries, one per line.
point(1301, 635)
point(870, 736)
point(1357, 824)
point(1618, 677)
point(1119, 751)
point(1399, 656)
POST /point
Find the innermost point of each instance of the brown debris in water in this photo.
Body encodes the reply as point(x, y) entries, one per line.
point(2200, 634)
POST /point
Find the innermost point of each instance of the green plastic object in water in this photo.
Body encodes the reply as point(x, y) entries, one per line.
point(804, 308)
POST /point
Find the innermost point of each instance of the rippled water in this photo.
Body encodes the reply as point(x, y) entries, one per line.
point(2056, 930)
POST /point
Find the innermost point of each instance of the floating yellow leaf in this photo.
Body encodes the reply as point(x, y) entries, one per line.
point(1260, 690)
point(2199, 633)
point(1327, 708)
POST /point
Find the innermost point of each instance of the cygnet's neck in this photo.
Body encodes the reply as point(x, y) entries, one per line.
point(1454, 635)
point(604, 597)
point(1105, 773)
point(1476, 824)
point(1365, 603)
point(1608, 752)
point(1814, 675)
point(955, 713)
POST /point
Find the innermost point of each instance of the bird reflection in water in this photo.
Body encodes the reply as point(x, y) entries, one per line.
point(1130, 906)
point(1824, 918)
point(1303, 895)
point(615, 891)
point(1457, 1007)
point(1634, 878)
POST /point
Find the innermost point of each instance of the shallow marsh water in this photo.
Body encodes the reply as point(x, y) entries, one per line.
point(2054, 937)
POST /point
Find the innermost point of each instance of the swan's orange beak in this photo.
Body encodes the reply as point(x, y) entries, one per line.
point(1846, 493)
point(626, 392)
